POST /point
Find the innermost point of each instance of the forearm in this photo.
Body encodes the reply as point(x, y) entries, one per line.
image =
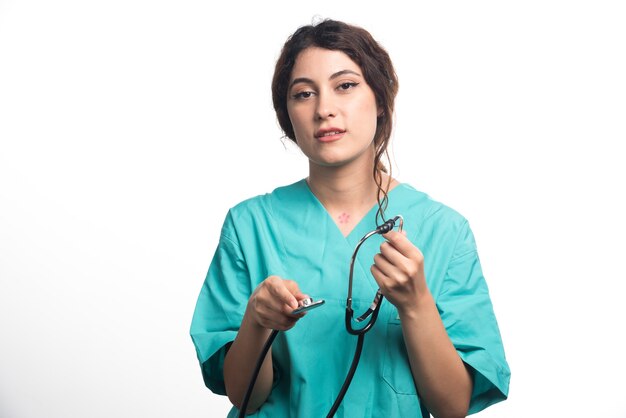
point(241, 361)
point(440, 375)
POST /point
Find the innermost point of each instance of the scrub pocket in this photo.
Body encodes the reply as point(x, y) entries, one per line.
point(396, 367)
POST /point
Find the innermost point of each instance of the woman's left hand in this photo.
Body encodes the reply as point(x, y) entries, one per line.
point(399, 271)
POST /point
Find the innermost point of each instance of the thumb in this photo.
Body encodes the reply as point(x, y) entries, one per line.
point(295, 290)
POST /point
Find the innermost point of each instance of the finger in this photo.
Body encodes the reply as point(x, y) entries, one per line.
point(296, 316)
point(282, 294)
point(278, 319)
point(292, 286)
point(384, 265)
point(381, 278)
point(287, 322)
point(392, 254)
point(401, 243)
point(287, 313)
point(282, 323)
point(289, 325)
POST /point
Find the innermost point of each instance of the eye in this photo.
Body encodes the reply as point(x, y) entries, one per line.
point(347, 86)
point(303, 95)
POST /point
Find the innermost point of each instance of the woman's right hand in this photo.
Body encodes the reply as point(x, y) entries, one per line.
point(272, 302)
point(269, 308)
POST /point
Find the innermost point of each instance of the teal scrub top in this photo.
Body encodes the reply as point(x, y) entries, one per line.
point(290, 234)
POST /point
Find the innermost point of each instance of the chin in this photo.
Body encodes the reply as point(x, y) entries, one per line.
point(333, 162)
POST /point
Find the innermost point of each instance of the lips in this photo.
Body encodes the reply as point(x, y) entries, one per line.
point(329, 134)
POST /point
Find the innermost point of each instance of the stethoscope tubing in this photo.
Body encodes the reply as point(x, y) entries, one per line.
point(371, 312)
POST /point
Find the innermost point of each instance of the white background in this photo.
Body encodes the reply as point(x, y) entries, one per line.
point(128, 128)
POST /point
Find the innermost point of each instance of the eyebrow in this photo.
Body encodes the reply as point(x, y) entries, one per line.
point(332, 77)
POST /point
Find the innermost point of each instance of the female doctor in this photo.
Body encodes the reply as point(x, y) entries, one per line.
point(436, 347)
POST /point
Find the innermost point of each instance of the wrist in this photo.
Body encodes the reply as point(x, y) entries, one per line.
point(418, 307)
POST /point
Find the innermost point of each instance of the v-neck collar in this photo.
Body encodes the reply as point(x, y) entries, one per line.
point(366, 224)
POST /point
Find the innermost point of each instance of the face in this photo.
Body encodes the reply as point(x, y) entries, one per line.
point(332, 109)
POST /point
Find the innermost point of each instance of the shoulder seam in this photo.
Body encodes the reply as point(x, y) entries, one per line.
point(230, 239)
point(463, 255)
point(452, 258)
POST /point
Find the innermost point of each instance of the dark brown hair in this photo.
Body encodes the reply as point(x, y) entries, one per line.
point(377, 70)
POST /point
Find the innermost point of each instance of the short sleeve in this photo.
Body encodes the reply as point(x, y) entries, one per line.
point(467, 314)
point(220, 307)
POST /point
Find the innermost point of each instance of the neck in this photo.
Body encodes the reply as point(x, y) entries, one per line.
point(348, 187)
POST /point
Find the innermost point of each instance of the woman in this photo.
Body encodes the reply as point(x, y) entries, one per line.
point(436, 347)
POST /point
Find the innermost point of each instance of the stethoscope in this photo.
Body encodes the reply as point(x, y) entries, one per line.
point(371, 313)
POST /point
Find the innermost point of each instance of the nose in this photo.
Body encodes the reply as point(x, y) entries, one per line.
point(326, 107)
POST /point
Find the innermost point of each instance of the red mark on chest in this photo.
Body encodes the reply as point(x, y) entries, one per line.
point(344, 218)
